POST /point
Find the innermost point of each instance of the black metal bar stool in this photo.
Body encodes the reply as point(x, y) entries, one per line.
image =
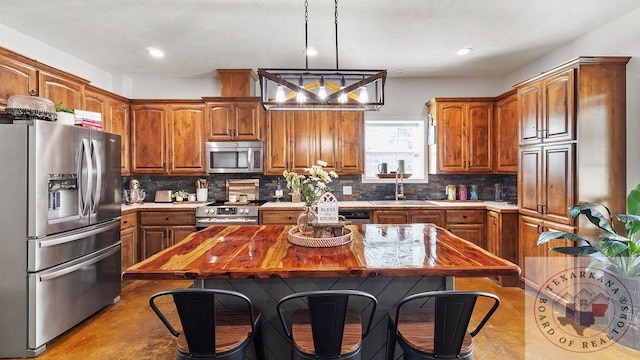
point(216, 324)
point(427, 330)
point(326, 324)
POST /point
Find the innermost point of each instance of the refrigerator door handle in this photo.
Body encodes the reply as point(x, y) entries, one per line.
point(70, 269)
point(85, 169)
point(98, 170)
point(79, 235)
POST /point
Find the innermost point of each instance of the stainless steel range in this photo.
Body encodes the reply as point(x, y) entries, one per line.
point(222, 213)
point(239, 208)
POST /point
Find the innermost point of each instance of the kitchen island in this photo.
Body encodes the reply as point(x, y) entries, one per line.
point(388, 261)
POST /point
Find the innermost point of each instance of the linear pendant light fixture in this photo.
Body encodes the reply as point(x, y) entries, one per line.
point(322, 89)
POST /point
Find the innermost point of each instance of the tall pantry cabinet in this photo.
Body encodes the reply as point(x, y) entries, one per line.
point(572, 150)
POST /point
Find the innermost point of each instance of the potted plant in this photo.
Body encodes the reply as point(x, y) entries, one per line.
point(65, 115)
point(616, 255)
point(180, 195)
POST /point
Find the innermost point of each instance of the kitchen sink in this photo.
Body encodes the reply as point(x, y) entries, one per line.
point(402, 202)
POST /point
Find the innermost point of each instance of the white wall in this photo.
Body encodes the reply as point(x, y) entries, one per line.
point(39, 51)
point(175, 88)
point(620, 37)
point(406, 98)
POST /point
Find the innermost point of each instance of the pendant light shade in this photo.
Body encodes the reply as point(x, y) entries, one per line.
point(322, 89)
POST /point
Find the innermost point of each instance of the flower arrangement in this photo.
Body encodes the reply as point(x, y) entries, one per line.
point(312, 185)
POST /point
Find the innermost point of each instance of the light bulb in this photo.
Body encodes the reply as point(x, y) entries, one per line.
point(322, 91)
point(342, 99)
point(364, 95)
point(280, 94)
point(300, 98)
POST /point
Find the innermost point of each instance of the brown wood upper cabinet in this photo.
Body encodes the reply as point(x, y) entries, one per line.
point(506, 134)
point(62, 88)
point(547, 109)
point(239, 119)
point(115, 119)
point(464, 133)
point(297, 139)
point(167, 138)
point(18, 76)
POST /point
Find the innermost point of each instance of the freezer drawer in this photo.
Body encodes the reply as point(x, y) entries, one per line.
point(56, 249)
point(63, 296)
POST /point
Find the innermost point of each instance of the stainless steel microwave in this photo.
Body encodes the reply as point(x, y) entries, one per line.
point(234, 157)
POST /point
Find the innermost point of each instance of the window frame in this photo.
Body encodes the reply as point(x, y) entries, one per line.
point(423, 122)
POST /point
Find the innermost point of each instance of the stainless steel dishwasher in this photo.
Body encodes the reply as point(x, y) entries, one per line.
point(356, 216)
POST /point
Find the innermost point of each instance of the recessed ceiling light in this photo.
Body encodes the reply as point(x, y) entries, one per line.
point(311, 51)
point(464, 51)
point(155, 52)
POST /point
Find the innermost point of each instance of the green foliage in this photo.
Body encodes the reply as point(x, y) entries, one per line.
point(622, 253)
point(180, 193)
point(62, 108)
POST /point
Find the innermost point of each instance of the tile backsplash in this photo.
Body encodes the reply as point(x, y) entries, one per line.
point(434, 190)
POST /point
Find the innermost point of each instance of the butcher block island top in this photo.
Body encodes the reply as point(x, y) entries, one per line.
point(263, 251)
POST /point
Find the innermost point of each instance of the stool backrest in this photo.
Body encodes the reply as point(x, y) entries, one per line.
point(452, 313)
point(327, 313)
point(196, 309)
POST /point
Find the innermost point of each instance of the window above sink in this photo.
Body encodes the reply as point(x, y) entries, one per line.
point(387, 141)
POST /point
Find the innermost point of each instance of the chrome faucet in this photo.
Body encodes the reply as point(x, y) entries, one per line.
point(399, 188)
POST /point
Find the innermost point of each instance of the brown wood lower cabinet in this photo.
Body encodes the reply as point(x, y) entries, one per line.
point(159, 230)
point(129, 240)
point(279, 217)
point(389, 217)
point(529, 229)
point(408, 217)
point(467, 224)
point(502, 240)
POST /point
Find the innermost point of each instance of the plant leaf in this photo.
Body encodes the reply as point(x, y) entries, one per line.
point(632, 223)
point(617, 237)
point(612, 248)
point(551, 235)
point(595, 216)
point(633, 201)
point(575, 250)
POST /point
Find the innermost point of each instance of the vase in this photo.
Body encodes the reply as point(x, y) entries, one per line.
point(631, 337)
point(305, 220)
point(295, 197)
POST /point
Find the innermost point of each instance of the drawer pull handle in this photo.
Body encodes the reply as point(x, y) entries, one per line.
point(166, 218)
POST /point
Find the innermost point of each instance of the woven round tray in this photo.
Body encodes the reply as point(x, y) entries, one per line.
point(297, 238)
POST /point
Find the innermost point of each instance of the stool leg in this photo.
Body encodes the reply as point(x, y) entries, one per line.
point(258, 342)
point(391, 340)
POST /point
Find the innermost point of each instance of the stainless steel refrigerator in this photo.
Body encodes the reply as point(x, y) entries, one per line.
point(59, 230)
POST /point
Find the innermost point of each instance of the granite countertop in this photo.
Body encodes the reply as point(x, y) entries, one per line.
point(427, 204)
point(263, 251)
point(363, 205)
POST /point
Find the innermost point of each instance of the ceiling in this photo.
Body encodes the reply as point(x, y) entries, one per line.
point(414, 38)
